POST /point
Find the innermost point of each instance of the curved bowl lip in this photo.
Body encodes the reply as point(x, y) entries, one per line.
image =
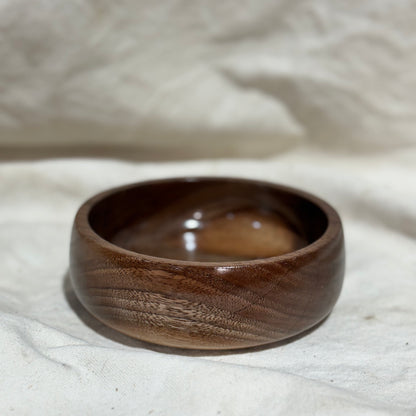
point(333, 229)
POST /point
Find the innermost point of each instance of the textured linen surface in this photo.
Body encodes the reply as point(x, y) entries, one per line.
point(207, 77)
point(58, 360)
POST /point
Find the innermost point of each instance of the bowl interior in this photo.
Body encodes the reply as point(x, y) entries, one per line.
point(210, 220)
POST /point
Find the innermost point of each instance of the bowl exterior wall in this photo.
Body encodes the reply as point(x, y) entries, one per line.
point(205, 306)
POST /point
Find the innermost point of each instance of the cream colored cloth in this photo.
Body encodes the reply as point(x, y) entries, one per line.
point(57, 359)
point(206, 78)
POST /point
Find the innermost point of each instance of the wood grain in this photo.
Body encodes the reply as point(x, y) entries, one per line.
point(207, 263)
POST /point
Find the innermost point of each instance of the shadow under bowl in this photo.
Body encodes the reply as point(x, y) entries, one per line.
point(207, 263)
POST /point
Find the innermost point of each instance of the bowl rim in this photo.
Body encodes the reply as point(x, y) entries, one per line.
point(332, 231)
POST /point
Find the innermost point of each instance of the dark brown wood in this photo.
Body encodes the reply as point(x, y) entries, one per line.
point(207, 263)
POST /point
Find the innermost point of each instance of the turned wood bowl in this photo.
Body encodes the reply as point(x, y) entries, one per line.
point(207, 263)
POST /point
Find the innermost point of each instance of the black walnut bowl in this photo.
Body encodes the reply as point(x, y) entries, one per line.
point(207, 263)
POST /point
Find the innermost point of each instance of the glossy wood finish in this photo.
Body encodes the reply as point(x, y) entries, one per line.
point(207, 263)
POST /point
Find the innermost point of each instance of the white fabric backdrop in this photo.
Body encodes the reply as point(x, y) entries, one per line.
point(56, 359)
point(208, 77)
point(325, 89)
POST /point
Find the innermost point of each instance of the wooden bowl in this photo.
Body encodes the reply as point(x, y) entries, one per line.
point(207, 263)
